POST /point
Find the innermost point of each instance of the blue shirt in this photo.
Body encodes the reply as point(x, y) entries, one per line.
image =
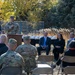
point(45, 38)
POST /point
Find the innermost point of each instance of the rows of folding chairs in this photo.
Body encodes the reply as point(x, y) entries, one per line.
point(69, 69)
point(44, 66)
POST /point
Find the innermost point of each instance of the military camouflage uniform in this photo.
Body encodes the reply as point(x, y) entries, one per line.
point(15, 30)
point(28, 52)
point(11, 58)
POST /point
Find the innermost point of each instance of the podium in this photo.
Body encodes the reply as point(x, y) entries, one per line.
point(17, 37)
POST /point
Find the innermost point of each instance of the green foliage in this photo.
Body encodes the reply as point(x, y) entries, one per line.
point(6, 10)
point(31, 10)
point(63, 15)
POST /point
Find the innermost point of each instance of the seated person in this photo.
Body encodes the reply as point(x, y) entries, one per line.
point(11, 58)
point(29, 53)
point(70, 52)
point(45, 43)
point(71, 38)
point(3, 41)
point(59, 45)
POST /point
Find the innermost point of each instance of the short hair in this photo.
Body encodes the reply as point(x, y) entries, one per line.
point(12, 41)
point(71, 33)
point(3, 38)
point(45, 32)
point(72, 44)
point(26, 37)
point(11, 17)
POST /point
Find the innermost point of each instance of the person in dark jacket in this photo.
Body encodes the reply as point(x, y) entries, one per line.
point(59, 45)
point(72, 37)
point(69, 52)
point(45, 43)
point(3, 41)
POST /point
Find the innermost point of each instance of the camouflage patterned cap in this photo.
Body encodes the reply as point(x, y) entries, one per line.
point(26, 37)
point(12, 41)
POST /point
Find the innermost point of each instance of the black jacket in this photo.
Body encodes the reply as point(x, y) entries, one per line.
point(48, 41)
point(60, 43)
point(3, 48)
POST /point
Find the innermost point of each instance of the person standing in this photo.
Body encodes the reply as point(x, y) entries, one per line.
point(70, 39)
point(44, 44)
point(12, 27)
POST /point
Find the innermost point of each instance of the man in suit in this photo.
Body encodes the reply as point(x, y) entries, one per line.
point(71, 38)
point(45, 43)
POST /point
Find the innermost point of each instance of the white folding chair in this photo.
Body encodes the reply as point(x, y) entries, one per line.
point(42, 66)
point(45, 58)
point(69, 59)
point(43, 69)
point(69, 70)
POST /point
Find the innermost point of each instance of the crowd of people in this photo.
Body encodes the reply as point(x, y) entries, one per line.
point(24, 55)
point(18, 56)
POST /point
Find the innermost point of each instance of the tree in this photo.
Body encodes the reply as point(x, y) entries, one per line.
point(31, 10)
point(63, 14)
point(6, 9)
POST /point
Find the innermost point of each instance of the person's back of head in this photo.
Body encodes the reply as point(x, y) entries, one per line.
point(12, 44)
point(26, 39)
point(3, 38)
